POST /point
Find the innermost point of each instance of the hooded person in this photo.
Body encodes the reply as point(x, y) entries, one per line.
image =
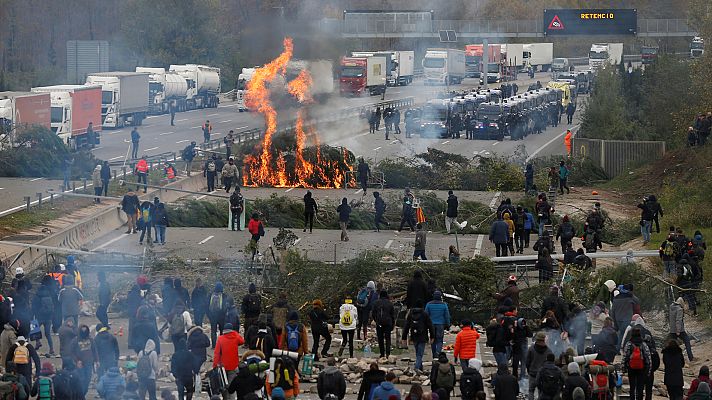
point(575, 380)
point(702, 377)
point(8, 338)
point(250, 378)
point(263, 339)
point(251, 306)
point(110, 385)
point(107, 349)
point(320, 328)
point(147, 370)
point(84, 352)
point(198, 343)
point(536, 357)
point(183, 368)
point(226, 352)
point(471, 379)
point(506, 386)
point(387, 390)
point(331, 381)
point(702, 392)
point(442, 375)
point(294, 336)
point(372, 378)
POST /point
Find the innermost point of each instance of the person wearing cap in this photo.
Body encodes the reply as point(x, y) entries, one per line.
point(510, 292)
point(466, 344)
point(677, 325)
point(575, 380)
point(536, 356)
point(226, 352)
point(23, 355)
point(188, 156)
point(348, 320)
point(230, 174)
point(439, 314)
point(43, 379)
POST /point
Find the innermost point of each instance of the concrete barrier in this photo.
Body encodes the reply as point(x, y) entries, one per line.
point(91, 228)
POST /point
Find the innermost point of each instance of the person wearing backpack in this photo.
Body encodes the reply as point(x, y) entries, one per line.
point(43, 309)
point(320, 328)
point(183, 369)
point(385, 316)
point(348, 320)
point(331, 381)
point(14, 385)
point(372, 378)
point(667, 254)
point(420, 330)
point(263, 340)
point(442, 375)
point(677, 325)
point(199, 300)
point(216, 312)
point(506, 386)
point(180, 322)
point(43, 387)
point(22, 355)
point(286, 381)
point(209, 172)
point(251, 306)
point(471, 379)
point(257, 230)
point(537, 354)
point(575, 380)
point(549, 380)
point(439, 314)
point(237, 207)
point(84, 355)
point(198, 343)
point(674, 362)
point(566, 232)
point(637, 363)
point(387, 390)
point(147, 369)
point(69, 299)
point(145, 222)
point(364, 303)
point(294, 336)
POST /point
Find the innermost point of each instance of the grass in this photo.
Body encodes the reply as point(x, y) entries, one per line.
point(23, 220)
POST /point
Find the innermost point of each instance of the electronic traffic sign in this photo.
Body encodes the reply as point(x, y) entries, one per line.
point(584, 21)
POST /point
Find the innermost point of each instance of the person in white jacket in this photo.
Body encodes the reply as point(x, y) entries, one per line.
point(348, 319)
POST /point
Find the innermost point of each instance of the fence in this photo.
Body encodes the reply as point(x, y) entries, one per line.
point(614, 156)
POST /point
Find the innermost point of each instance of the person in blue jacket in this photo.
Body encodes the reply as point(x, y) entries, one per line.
point(386, 390)
point(439, 314)
point(528, 226)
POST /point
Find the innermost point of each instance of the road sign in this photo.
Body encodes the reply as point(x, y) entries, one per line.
point(584, 21)
point(447, 36)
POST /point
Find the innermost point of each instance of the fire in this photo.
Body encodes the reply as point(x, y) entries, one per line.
point(305, 168)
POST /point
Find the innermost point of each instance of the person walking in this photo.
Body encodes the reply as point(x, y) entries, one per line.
point(407, 214)
point(364, 304)
point(104, 297)
point(372, 122)
point(96, 182)
point(637, 363)
point(107, 349)
point(188, 156)
point(566, 232)
point(574, 381)
point(439, 314)
point(536, 356)
point(466, 344)
point(183, 369)
point(43, 309)
point(344, 211)
point(442, 376)
point(567, 141)
point(207, 131)
point(646, 220)
point(570, 109)
point(198, 343)
point(105, 175)
point(257, 230)
point(623, 307)
point(141, 171)
point(674, 362)
point(310, 209)
point(506, 386)
point(372, 379)
point(380, 207)
point(226, 353)
point(320, 328)
point(420, 330)
point(384, 314)
point(528, 178)
point(230, 174)
point(85, 356)
point(217, 306)
point(135, 138)
point(237, 207)
point(69, 299)
point(348, 320)
point(550, 380)
point(145, 222)
point(451, 212)
point(209, 172)
point(172, 111)
point(160, 220)
point(677, 325)
point(420, 241)
point(251, 306)
point(499, 236)
point(364, 172)
point(563, 177)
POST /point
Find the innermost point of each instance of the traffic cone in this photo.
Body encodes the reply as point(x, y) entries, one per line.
point(121, 331)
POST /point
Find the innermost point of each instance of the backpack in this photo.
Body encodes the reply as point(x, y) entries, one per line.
point(146, 214)
point(21, 356)
point(47, 303)
point(550, 383)
point(417, 325)
point(669, 249)
point(293, 337)
point(362, 298)
point(636, 361)
point(253, 304)
point(186, 154)
point(216, 303)
point(11, 389)
point(567, 231)
point(444, 377)
point(284, 374)
point(211, 166)
point(143, 367)
point(382, 317)
point(62, 384)
point(177, 325)
point(330, 382)
point(347, 319)
point(599, 379)
point(45, 388)
point(467, 383)
point(578, 393)
point(259, 343)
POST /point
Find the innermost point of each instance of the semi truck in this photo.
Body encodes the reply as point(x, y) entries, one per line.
point(124, 97)
point(165, 88)
point(697, 47)
point(513, 55)
point(361, 74)
point(73, 108)
point(242, 79)
point(203, 84)
point(539, 56)
point(444, 66)
point(648, 54)
point(605, 53)
point(19, 110)
point(399, 65)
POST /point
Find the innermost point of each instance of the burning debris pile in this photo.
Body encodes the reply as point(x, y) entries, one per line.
point(316, 166)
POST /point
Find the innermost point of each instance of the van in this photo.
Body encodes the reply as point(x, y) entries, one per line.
point(560, 65)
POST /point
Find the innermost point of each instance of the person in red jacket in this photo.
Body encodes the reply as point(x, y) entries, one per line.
point(257, 230)
point(466, 343)
point(227, 354)
point(141, 173)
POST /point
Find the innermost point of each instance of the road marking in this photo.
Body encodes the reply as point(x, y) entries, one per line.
point(182, 120)
point(152, 116)
point(394, 141)
point(288, 190)
point(493, 203)
point(388, 244)
point(555, 138)
point(36, 179)
point(201, 197)
point(495, 143)
point(205, 240)
point(478, 245)
point(151, 149)
point(2, 188)
point(195, 127)
point(227, 120)
point(210, 115)
point(127, 141)
point(445, 142)
point(183, 141)
point(377, 148)
point(358, 191)
point(97, 148)
point(114, 240)
point(242, 127)
point(116, 158)
point(297, 241)
point(165, 133)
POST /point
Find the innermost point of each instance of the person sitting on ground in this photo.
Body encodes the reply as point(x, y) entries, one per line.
point(370, 381)
point(386, 390)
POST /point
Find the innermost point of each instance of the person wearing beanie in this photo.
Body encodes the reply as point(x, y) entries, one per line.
point(439, 314)
point(348, 318)
point(226, 351)
point(385, 316)
point(262, 340)
point(364, 303)
point(320, 328)
point(506, 386)
point(420, 330)
point(536, 356)
point(278, 393)
point(294, 337)
point(331, 381)
point(702, 377)
point(471, 379)
point(550, 380)
point(387, 390)
point(636, 376)
point(42, 388)
point(677, 325)
point(575, 380)
point(251, 306)
point(702, 392)
point(442, 375)
point(466, 344)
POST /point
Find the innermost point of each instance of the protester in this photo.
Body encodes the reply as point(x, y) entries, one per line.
point(384, 315)
point(257, 230)
point(573, 381)
point(499, 236)
point(344, 211)
point(147, 370)
point(216, 311)
point(505, 385)
point(85, 356)
point(43, 386)
point(420, 329)
point(466, 344)
point(111, 385)
point(702, 393)
point(417, 290)
point(294, 337)
point(331, 381)
point(451, 213)
point(442, 375)
point(471, 379)
point(184, 371)
point(420, 242)
point(107, 349)
point(636, 362)
point(348, 321)
point(702, 377)
point(536, 356)
point(677, 325)
point(372, 378)
point(407, 214)
point(563, 178)
point(387, 390)
point(310, 209)
point(439, 314)
point(624, 305)
point(320, 328)
point(364, 303)
point(674, 362)
point(226, 352)
point(199, 301)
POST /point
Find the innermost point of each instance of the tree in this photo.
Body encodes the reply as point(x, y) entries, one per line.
point(605, 112)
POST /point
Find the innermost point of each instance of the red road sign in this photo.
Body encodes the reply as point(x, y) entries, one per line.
point(556, 23)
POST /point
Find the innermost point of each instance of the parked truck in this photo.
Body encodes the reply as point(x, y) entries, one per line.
point(363, 74)
point(165, 88)
point(19, 110)
point(73, 108)
point(513, 55)
point(538, 56)
point(648, 54)
point(241, 91)
point(399, 65)
point(203, 84)
point(605, 53)
point(697, 47)
point(444, 66)
point(124, 97)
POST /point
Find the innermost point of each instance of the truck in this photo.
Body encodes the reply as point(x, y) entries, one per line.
point(473, 59)
point(648, 54)
point(73, 108)
point(400, 65)
point(361, 74)
point(124, 97)
point(444, 66)
point(605, 53)
point(165, 88)
point(241, 91)
point(513, 55)
point(697, 47)
point(203, 84)
point(539, 56)
point(19, 110)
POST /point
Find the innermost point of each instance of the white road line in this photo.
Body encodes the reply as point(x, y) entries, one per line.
point(213, 114)
point(116, 158)
point(227, 120)
point(445, 142)
point(358, 191)
point(242, 127)
point(114, 240)
point(195, 127)
point(288, 190)
point(478, 245)
point(182, 120)
point(205, 240)
point(394, 141)
point(151, 149)
point(127, 141)
point(152, 116)
point(297, 241)
point(97, 148)
point(495, 143)
point(388, 244)
point(2, 188)
point(36, 179)
point(555, 138)
point(377, 148)
point(165, 133)
point(201, 197)
point(493, 203)
point(183, 141)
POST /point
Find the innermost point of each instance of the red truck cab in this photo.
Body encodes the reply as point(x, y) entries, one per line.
point(352, 77)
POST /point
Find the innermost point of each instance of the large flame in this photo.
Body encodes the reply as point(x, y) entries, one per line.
point(307, 171)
